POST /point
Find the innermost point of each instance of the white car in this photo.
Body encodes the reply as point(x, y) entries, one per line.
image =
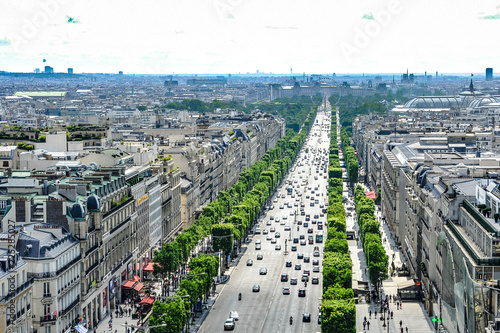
point(234, 315)
point(229, 324)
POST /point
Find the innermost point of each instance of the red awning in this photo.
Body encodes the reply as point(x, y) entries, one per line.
point(128, 284)
point(371, 195)
point(147, 301)
point(136, 278)
point(138, 286)
point(148, 268)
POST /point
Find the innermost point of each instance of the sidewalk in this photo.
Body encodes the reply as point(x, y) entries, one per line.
point(412, 314)
point(118, 323)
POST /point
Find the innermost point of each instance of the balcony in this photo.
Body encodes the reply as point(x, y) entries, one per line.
point(70, 307)
point(92, 267)
point(71, 263)
point(119, 225)
point(89, 251)
point(18, 290)
point(483, 221)
point(116, 208)
point(48, 319)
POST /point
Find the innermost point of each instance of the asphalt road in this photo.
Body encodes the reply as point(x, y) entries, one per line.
point(269, 309)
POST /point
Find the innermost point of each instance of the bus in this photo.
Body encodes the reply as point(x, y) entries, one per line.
point(319, 236)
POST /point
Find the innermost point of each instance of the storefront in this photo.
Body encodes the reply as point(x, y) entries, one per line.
point(131, 289)
point(409, 290)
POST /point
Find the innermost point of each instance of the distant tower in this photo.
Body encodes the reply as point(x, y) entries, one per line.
point(70, 70)
point(471, 86)
point(425, 77)
point(291, 71)
point(489, 74)
point(436, 73)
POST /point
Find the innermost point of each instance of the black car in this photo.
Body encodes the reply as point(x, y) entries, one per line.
point(294, 248)
point(306, 318)
point(284, 277)
point(302, 293)
point(307, 259)
point(298, 267)
point(295, 240)
point(288, 264)
point(300, 255)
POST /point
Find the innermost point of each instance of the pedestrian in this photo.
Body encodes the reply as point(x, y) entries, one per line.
point(392, 313)
point(375, 313)
point(406, 329)
point(368, 324)
point(401, 305)
point(400, 323)
point(397, 304)
point(364, 325)
point(402, 330)
point(365, 318)
point(370, 313)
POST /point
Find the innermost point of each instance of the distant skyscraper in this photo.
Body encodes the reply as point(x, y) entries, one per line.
point(489, 74)
point(37, 70)
point(120, 73)
point(70, 70)
point(49, 70)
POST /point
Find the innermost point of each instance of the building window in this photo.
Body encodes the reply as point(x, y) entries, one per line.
point(46, 288)
point(5, 164)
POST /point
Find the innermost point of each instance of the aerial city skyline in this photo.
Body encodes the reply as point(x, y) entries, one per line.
point(254, 166)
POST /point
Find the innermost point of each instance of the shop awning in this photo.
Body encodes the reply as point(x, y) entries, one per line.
point(138, 286)
point(410, 284)
point(136, 278)
point(148, 268)
point(147, 301)
point(371, 195)
point(128, 284)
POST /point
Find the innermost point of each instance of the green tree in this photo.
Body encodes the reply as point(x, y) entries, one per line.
point(338, 316)
point(173, 313)
point(223, 237)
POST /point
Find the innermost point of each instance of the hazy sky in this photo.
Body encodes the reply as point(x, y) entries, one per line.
point(232, 36)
